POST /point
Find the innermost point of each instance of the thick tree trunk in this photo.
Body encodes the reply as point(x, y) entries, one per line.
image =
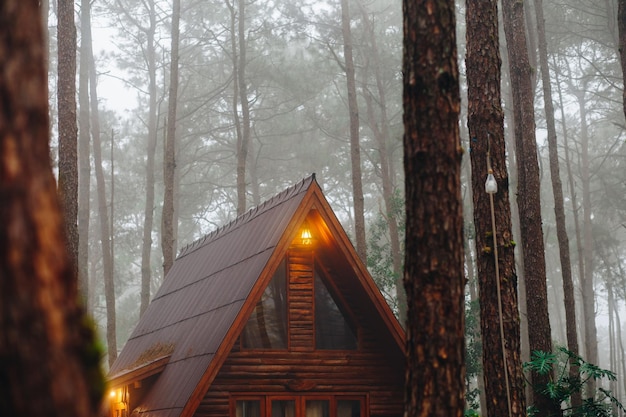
point(49, 366)
point(559, 209)
point(529, 204)
point(487, 149)
point(434, 278)
point(355, 147)
point(84, 161)
point(68, 130)
point(146, 249)
point(168, 240)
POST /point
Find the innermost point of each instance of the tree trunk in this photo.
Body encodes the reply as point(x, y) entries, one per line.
point(68, 131)
point(355, 148)
point(559, 209)
point(380, 128)
point(573, 198)
point(49, 365)
point(621, 28)
point(84, 161)
point(146, 251)
point(105, 237)
point(244, 139)
point(588, 292)
point(434, 277)
point(613, 384)
point(168, 240)
point(529, 204)
point(487, 150)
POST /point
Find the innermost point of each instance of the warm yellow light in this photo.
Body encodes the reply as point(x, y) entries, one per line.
point(306, 237)
point(112, 393)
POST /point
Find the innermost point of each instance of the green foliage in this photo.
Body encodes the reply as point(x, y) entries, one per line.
point(91, 356)
point(471, 413)
point(379, 254)
point(473, 354)
point(562, 385)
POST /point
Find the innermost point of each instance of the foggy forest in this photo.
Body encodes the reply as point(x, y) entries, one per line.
point(190, 113)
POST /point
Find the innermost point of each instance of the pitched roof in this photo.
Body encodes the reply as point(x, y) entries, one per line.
point(195, 317)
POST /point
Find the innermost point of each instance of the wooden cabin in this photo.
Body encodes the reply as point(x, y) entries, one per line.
point(272, 315)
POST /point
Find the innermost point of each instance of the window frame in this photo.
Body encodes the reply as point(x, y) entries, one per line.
point(300, 400)
point(340, 302)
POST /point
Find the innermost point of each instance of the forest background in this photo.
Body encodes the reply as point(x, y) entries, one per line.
point(264, 98)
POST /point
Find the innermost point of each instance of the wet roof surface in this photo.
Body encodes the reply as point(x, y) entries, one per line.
point(201, 298)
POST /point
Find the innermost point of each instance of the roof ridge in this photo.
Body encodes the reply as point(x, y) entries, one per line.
point(253, 212)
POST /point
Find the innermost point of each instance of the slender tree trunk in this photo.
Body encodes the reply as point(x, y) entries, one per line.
point(380, 128)
point(253, 163)
point(244, 139)
point(504, 382)
point(235, 102)
point(559, 209)
point(168, 240)
point(612, 340)
point(68, 131)
point(434, 278)
point(355, 147)
point(588, 292)
point(573, 198)
point(622, 355)
point(103, 214)
point(84, 161)
point(621, 28)
point(146, 251)
point(48, 367)
point(529, 204)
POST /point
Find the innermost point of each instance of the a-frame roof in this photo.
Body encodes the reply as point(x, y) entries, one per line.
point(210, 291)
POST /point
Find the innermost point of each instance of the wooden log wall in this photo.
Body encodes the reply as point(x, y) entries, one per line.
point(374, 371)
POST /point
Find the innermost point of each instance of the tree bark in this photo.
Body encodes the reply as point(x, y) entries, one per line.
point(434, 277)
point(358, 201)
point(48, 364)
point(84, 162)
point(168, 240)
point(559, 209)
point(573, 197)
point(146, 251)
point(529, 204)
point(103, 215)
point(68, 130)
point(487, 148)
point(244, 139)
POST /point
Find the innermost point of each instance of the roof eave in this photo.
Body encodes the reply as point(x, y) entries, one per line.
point(153, 367)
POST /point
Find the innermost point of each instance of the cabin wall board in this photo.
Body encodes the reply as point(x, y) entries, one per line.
point(375, 370)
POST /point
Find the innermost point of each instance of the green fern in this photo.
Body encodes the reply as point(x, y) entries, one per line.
point(562, 386)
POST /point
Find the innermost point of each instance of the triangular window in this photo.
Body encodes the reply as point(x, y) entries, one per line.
point(267, 326)
point(332, 329)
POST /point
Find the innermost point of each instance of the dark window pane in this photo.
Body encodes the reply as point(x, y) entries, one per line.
point(267, 326)
point(317, 408)
point(248, 408)
point(332, 330)
point(348, 408)
point(283, 408)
